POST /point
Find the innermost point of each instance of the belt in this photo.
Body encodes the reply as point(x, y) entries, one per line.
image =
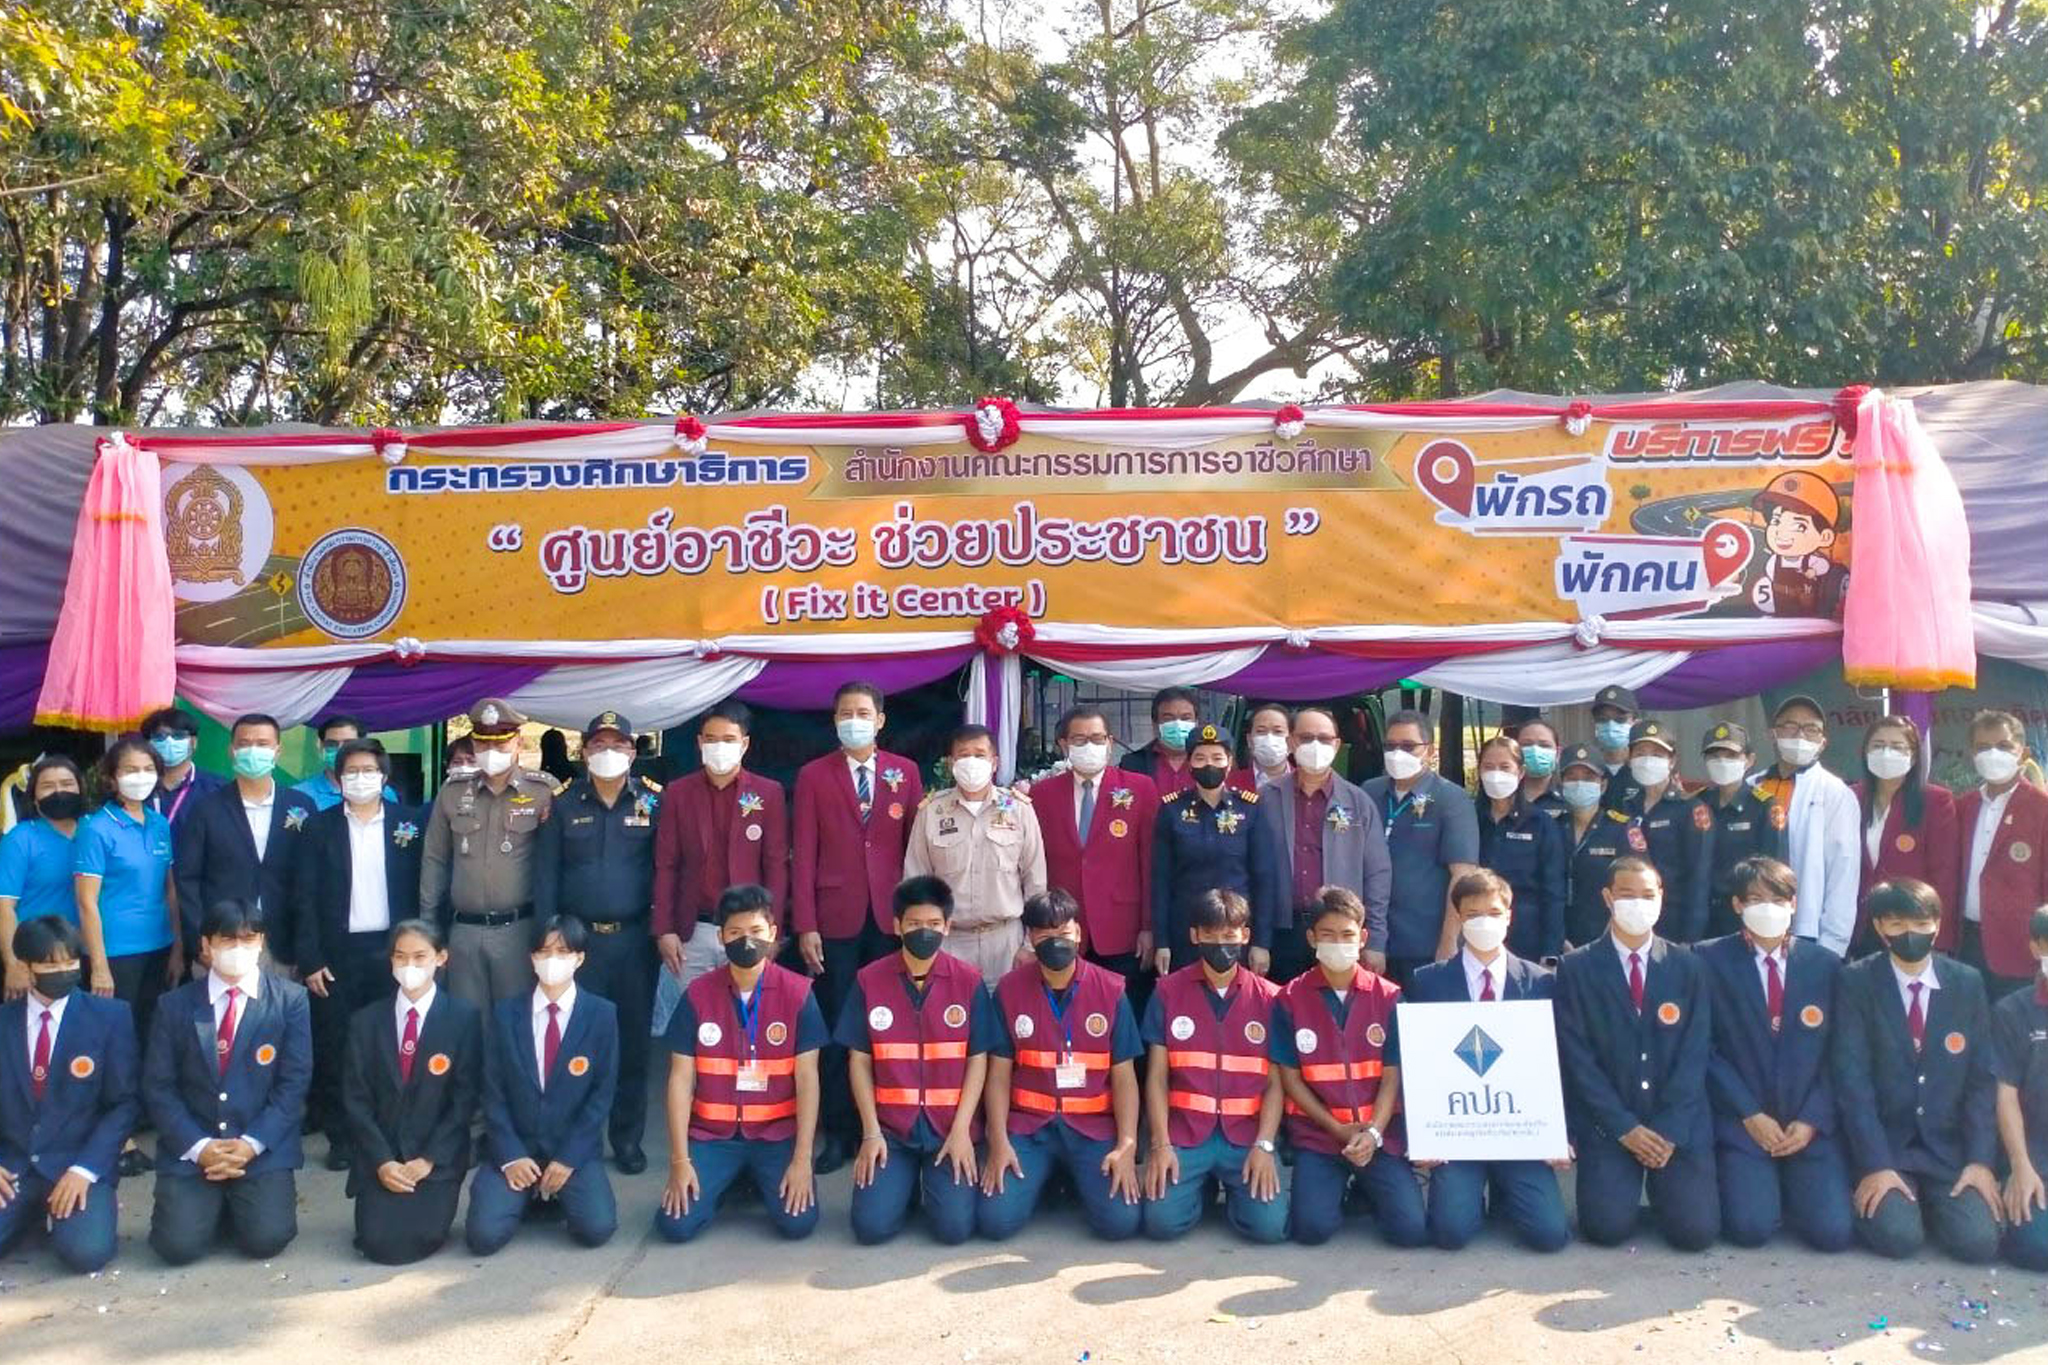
point(614, 926)
point(493, 919)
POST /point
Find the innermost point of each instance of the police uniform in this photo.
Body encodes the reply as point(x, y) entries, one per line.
point(2019, 1026)
point(1676, 835)
point(1621, 699)
point(1748, 825)
point(1529, 850)
point(1197, 847)
point(596, 861)
point(478, 869)
point(1589, 851)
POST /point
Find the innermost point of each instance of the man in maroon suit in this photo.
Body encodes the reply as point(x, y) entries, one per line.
point(1096, 823)
point(854, 809)
point(2003, 831)
point(720, 826)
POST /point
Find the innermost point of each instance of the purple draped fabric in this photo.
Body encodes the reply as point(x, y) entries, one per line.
point(1713, 676)
point(21, 681)
point(390, 696)
point(808, 684)
point(1312, 675)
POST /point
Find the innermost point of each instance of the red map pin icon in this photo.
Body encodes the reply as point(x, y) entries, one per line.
point(1444, 469)
point(1726, 547)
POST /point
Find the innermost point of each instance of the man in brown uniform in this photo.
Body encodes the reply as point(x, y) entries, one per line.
point(478, 868)
point(983, 841)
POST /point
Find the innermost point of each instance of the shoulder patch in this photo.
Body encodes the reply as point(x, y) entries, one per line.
point(1702, 818)
point(564, 785)
point(650, 784)
point(1249, 798)
point(1172, 797)
point(1616, 816)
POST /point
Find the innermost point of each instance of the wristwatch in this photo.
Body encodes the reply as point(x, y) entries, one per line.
point(1377, 1140)
point(1266, 1145)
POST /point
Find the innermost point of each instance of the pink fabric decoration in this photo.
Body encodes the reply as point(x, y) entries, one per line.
point(112, 658)
point(1906, 616)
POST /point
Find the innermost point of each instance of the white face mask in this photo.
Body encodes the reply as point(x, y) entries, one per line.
point(1888, 763)
point(1088, 759)
point(1269, 751)
point(555, 970)
point(1767, 919)
point(494, 761)
point(1798, 751)
point(136, 786)
point(1996, 765)
point(232, 964)
point(1315, 756)
point(1402, 765)
point(1484, 933)
point(1652, 770)
point(973, 774)
point(358, 788)
point(1726, 772)
point(1499, 783)
point(610, 764)
point(412, 977)
point(1636, 916)
point(1339, 957)
point(721, 756)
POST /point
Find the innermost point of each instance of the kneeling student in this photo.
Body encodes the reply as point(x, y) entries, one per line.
point(230, 1060)
point(1331, 1030)
point(916, 1027)
point(1634, 1033)
point(1484, 970)
point(1062, 1082)
point(1775, 1149)
point(743, 1081)
point(551, 1063)
point(1912, 1063)
point(411, 1076)
point(73, 1100)
point(1211, 1094)
point(2020, 1025)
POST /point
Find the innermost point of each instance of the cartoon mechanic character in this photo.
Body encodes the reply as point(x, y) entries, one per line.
point(1802, 512)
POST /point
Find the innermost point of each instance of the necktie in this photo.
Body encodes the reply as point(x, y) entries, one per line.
point(1774, 994)
point(552, 1045)
point(1486, 987)
point(224, 1036)
point(1087, 806)
point(862, 790)
point(1635, 980)
point(41, 1071)
point(409, 1044)
point(1916, 1016)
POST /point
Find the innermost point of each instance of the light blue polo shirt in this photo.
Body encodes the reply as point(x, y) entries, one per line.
point(35, 869)
point(132, 861)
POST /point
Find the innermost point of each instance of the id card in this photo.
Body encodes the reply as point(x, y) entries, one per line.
point(1070, 1076)
point(752, 1077)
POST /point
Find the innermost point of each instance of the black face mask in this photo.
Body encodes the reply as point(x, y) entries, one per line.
point(61, 806)
point(1910, 946)
point(923, 943)
point(56, 985)
point(1209, 779)
point(1056, 954)
point(745, 952)
point(1221, 957)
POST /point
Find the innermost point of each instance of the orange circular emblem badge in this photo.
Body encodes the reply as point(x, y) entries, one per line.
point(956, 1016)
point(81, 1067)
point(1098, 1025)
point(1254, 1031)
point(578, 1065)
point(1906, 843)
point(1811, 1016)
point(1777, 816)
point(1955, 1043)
point(1667, 1013)
point(1375, 1035)
point(776, 1033)
point(437, 1065)
point(1118, 829)
point(1702, 818)
point(265, 1055)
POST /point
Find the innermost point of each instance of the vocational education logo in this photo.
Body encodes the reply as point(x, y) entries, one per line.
point(777, 1033)
point(956, 1016)
point(1478, 1051)
point(217, 530)
point(351, 583)
point(881, 1017)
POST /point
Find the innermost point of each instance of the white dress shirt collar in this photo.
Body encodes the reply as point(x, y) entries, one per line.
point(1906, 982)
point(400, 1005)
point(35, 1024)
point(250, 987)
point(1475, 970)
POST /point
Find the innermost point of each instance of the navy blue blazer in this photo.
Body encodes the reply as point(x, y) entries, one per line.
point(263, 1094)
point(1930, 1113)
point(1621, 1068)
point(426, 1114)
point(1754, 1071)
point(213, 859)
point(566, 1121)
point(89, 1104)
point(1444, 982)
point(323, 876)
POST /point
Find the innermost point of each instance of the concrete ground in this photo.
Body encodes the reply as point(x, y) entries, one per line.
point(1051, 1296)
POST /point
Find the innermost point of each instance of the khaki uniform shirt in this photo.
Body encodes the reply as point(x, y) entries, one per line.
point(480, 845)
point(993, 859)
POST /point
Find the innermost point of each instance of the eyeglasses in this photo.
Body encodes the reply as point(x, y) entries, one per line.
point(1407, 746)
point(1795, 730)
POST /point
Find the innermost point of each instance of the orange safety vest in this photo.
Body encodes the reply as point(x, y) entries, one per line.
point(920, 1052)
point(1216, 1069)
point(1340, 1063)
point(1080, 1035)
point(719, 1108)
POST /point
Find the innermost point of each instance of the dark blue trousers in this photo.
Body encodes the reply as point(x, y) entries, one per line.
point(496, 1209)
point(1525, 1191)
point(1320, 1183)
point(881, 1210)
point(1682, 1195)
point(1810, 1191)
point(719, 1164)
point(84, 1242)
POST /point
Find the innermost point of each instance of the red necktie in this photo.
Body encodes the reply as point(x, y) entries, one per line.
point(552, 1045)
point(41, 1072)
point(224, 1037)
point(1635, 980)
point(1774, 994)
point(1486, 985)
point(409, 1044)
point(1916, 1016)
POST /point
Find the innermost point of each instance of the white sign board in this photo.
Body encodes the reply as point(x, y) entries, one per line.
point(1479, 1082)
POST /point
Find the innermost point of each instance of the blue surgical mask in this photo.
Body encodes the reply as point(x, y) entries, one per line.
point(254, 760)
point(1580, 795)
point(856, 732)
point(1612, 734)
point(172, 749)
point(1539, 759)
point(1174, 734)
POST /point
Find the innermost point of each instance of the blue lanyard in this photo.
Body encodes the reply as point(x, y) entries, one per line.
point(1059, 1016)
point(750, 1015)
point(1395, 808)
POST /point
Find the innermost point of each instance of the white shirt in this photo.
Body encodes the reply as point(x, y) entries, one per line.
point(217, 996)
point(1763, 973)
point(1906, 983)
point(1873, 834)
point(369, 898)
point(854, 768)
point(1989, 813)
point(1081, 784)
point(400, 1007)
point(564, 1008)
point(1476, 972)
point(258, 815)
point(35, 1026)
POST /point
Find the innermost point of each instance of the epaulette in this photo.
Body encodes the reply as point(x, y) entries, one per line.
point(1171, 797)
point(650, 784)
point(564, 785)
point(1616, 816)
point(1252, 797)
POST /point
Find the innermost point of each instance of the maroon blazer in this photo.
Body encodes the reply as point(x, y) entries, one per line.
point(1112, 875)
point(847, 869)
point(1934, 853)
point(756, 851)
point(2015, 875)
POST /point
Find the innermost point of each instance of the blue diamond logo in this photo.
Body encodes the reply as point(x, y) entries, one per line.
point(1478, 1051)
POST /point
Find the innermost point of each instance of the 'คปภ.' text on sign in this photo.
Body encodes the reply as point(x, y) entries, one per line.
point(768, 542)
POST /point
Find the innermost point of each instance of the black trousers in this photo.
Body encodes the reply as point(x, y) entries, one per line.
point(1971, 951)
point(398, 1229)
point(1291, 954)
point(620, 967)
point(1137, 977)
point(844, 957)
point(139, 980)
point(261, 1212)
point(362, 976)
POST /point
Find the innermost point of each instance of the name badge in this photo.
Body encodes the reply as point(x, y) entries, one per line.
point(1738, 826)
point(1660, 824)
point(1523, 835)
point(1070, 1076)
point(752, 1077)
point(636, 822)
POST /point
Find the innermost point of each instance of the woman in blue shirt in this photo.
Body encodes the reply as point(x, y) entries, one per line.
point(35, 859)
point(127, 905)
